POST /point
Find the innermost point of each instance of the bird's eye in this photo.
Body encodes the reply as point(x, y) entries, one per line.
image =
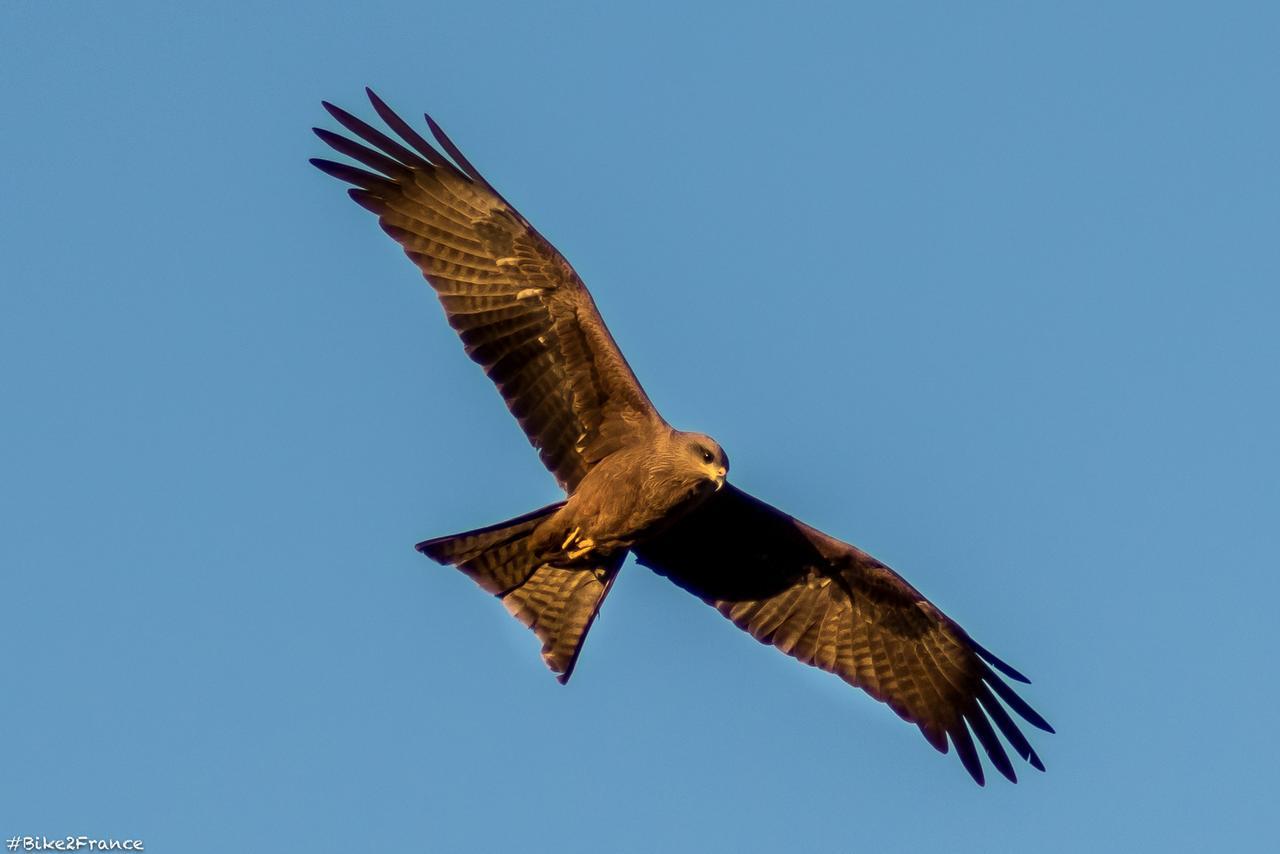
point(707, 456)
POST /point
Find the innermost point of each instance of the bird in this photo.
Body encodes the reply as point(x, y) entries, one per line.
point(634, 484)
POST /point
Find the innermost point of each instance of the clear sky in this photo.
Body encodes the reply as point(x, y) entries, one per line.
point(991, 290)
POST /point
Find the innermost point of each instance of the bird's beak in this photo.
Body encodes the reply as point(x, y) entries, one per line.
point(720, 473)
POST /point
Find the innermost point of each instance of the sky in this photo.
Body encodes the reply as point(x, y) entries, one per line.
point(989, 289)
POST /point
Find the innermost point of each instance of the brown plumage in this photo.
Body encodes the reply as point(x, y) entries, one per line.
point(634, 484)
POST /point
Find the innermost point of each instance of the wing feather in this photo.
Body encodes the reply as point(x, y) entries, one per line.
point(521, 311)
point(831, 605)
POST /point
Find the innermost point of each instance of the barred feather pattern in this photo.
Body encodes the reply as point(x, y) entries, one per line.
point(833, 606)
point(520, 309)
point(559, 603)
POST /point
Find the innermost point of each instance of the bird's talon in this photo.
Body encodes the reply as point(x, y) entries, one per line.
point(584, 547)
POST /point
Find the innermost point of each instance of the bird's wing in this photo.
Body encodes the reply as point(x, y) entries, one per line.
point(520, 309)
point(833, 606)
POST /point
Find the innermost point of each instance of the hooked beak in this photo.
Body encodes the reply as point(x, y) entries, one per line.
point(720, 473)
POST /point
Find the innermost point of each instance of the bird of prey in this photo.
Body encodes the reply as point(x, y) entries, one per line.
point(634, 484)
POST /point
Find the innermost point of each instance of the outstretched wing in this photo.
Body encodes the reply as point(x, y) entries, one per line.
point(520, 309)
point(833, 606)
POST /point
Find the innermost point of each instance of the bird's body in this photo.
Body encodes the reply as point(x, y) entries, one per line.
point(632, 494)
point(635, 485)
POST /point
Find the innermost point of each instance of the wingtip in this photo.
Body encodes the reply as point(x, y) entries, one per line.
point(440, 135)
point(328, 137)
point(328, 167)
point(999, 663)
point(343, 117)
point(962, 741)
point(1036, 720)
point(369, 202)
point(1019, 705)
point(379, 105)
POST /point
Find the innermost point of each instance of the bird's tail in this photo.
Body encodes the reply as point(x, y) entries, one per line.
point(558, 603)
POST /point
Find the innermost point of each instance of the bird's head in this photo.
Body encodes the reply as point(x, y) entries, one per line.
point(708, 456)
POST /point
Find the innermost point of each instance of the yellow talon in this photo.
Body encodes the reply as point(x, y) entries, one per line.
point(584, 547)
point(569, 539)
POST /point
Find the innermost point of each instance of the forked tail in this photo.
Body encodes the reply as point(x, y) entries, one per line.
point(558, 603)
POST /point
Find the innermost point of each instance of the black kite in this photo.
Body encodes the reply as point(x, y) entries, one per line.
point(635, 484)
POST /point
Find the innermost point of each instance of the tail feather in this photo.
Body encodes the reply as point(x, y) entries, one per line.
point(557, 603)
point(457, 548)
point(560, 604)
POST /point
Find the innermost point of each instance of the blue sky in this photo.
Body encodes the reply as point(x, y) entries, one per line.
point(991, 292)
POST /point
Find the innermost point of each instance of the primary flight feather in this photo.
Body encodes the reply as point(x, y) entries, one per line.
point(634, 484)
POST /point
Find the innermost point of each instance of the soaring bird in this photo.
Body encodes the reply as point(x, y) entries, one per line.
point(634, 484)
